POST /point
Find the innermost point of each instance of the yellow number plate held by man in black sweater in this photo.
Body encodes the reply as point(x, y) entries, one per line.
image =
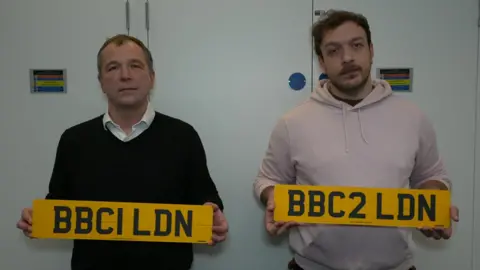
point(94, 220)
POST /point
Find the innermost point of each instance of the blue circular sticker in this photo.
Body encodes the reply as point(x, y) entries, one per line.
point(297, 81)
point(323, 76)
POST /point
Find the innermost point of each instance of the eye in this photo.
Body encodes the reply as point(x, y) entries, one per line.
point(136, 66)
point(332, 51)
point(358, 45)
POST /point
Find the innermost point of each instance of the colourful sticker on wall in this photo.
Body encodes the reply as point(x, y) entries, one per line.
point(400, 79)
point(48, 81)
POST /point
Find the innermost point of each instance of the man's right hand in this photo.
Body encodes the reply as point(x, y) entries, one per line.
point(25, 222)
point(273, 227)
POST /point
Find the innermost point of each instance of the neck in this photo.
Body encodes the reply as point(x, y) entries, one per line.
point(356, 94)
point(127, 116)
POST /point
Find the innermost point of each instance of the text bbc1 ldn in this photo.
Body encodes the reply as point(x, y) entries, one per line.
point(65, 219)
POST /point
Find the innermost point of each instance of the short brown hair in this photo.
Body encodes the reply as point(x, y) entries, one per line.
point(333, 19)
point(120, 40)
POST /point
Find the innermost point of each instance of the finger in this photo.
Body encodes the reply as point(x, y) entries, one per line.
point(285, 227)
point(454, 213)
point(279, 224)
point(437, 234)
point(27, 233)
point(427, 232)
point(444, 233)
point(215, 207)
point(220, 229)
point(26, 216)
point(218, 238)
point(299, 223)
point(291, 224)
point(281, 230)
point(272, 229)
point(211, 243)
point(29, 215)
point(22, 225)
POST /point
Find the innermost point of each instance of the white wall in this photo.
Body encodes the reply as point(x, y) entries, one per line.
point(223, 66)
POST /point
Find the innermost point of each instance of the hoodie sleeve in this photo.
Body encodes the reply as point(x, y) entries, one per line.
point(428, 164)
point(277, 166)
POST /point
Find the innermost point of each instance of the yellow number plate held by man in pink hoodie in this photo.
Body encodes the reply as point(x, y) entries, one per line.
point(344, 205)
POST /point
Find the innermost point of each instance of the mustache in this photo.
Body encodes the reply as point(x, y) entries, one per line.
point(349, 68)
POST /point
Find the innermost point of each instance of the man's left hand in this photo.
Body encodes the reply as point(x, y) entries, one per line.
point(442, 233)
point(220, 225)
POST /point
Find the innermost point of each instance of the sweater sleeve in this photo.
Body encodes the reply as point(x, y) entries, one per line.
point(277, 166)
point(428, 163)
point(58, 186)
point(201, 188)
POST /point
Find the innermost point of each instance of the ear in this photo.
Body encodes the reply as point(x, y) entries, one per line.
point(322, 63)
point(99, 78)
point(152, 78)
point(371, 50)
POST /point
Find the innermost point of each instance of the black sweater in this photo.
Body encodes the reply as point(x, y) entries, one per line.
point(164, 164)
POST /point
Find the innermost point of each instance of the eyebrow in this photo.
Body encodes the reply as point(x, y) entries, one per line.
point(138, 61)
point(337, 43)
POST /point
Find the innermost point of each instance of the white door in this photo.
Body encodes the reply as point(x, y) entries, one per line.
point(44, 34)
point(438, 39)
point(224, 66)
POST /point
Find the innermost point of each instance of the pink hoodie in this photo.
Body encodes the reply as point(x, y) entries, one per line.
point(384, 141)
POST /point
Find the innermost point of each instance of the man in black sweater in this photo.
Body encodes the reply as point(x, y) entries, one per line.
point(131, 154)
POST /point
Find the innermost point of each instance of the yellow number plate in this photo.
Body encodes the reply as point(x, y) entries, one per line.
point(362, 206)
point(122, 221)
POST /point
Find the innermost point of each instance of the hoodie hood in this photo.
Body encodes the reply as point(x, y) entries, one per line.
point(381, 90)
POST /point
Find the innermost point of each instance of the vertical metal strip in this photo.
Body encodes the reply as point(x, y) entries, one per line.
point(474, 247)
point(127, 16)
point(312, 66)
point(147, 21)
point(147, 15)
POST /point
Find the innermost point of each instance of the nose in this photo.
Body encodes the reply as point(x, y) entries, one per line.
point(347, 55)
point(125, 73)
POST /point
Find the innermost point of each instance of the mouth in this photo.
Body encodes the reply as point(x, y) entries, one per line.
point(349, 72)
point(126, 89)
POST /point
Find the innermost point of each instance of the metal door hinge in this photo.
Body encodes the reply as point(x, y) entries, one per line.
point(319, 12)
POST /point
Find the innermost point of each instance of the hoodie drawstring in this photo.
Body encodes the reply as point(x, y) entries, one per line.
point(361, 127)
point(345, 132)
point(362, 132)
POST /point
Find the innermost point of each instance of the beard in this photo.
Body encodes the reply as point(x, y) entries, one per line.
point(351, 88)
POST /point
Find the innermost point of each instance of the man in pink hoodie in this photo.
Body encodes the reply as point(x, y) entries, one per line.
point(351, 132)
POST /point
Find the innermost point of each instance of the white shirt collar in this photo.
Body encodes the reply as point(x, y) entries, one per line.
point(146, 119)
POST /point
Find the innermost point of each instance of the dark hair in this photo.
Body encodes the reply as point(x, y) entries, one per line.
point(333, 19)
point(120, 40)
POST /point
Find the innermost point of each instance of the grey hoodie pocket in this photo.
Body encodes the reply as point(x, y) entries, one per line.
point(357, 247)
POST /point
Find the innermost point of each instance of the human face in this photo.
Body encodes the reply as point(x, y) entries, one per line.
point(125, 77)
point(347, 58)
